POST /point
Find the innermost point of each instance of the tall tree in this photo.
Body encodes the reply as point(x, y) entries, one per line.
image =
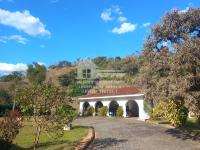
point(36, 73)
point(46, 101)
point(171, 59)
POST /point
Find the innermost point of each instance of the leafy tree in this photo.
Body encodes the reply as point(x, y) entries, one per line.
point(101, 61)
point(45, 100)
point(36, 73)
point(5, 101)
point(10, 126)
point(61, 64)
point(5, 97)
point(16, 75)
point(67, 79)
point(171, 60)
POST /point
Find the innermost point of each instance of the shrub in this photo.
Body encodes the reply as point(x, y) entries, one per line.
point(90, 111)
point(120, 112)
point(158, 111)
point(4, 108)
point(175, 112)
point(148, 108)
point(10, 126)
point(103, 111)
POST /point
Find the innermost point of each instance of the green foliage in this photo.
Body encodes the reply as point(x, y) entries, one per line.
point(36, 73)
point(175, 112)
point(61, 64)
point(13, 76)
point(4, 108)
point(171, 70)
point(44, 100)
point(10, 126)
point(119, 111)
point(90, 111)
point(5, 97)
point(148, 107)
point(67, 113)
point(67, 79)
point(74, 90)
point(158, 111)
point(103, 111)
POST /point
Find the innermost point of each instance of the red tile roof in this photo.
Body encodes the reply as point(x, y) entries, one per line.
point(115, 92)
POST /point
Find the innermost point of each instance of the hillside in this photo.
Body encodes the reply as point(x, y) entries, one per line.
point(53, 74)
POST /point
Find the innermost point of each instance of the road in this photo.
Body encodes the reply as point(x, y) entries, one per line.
point(132, 134)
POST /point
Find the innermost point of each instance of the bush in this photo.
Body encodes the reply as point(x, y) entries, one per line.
point(158, 112)
point(175, 112)
point(103, 111)
point(90, 111)
point(148, 108)
point(120, 112)
point(4, 108)
point(10, 126)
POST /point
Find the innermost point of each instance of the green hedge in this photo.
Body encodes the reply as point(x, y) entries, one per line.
point(103, 111)
point(4, 108)
point(120, 111)
point(175, 112)
point(90, 111)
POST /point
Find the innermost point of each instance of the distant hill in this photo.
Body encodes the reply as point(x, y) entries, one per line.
point(53, 74)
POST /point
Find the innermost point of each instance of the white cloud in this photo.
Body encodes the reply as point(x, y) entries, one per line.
point(116, 9)
point(17, 38)
point(23, 21)
point(3, 41)
point(147, 24)
point(124, 28)
point(106, 15)
point(6, 68)
point(184, 10)
point(122, 19)
point(111, 13)
point(42, 63)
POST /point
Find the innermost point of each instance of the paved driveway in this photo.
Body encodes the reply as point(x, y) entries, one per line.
point(131, 134)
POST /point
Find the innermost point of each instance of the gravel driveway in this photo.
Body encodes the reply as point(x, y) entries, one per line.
point(131, 134)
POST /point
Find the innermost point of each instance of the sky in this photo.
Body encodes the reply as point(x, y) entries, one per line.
point(48, 31)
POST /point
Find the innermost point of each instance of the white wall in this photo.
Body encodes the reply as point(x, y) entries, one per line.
point(122, 102)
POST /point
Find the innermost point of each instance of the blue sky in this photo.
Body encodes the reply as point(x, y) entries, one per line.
point(48, 31)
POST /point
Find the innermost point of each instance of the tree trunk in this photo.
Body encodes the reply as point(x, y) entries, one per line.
point(37, 136)
point(13, 104)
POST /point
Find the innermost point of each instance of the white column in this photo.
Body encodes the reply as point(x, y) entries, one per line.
point(81, 108)
point(142, 114)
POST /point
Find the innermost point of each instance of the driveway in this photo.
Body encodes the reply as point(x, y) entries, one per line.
point(132, 134)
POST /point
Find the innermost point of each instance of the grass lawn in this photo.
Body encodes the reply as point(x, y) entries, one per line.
point(191, 125)
point(25, 138)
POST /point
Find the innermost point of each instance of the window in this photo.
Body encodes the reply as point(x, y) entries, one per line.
point(86, 73)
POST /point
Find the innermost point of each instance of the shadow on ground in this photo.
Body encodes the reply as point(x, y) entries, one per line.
point(183, 135)
point(107, 142)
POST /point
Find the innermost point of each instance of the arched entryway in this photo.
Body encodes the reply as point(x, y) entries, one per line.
point(98, 105)
point(132, 109)
point(85, 106)
point(113, 108)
